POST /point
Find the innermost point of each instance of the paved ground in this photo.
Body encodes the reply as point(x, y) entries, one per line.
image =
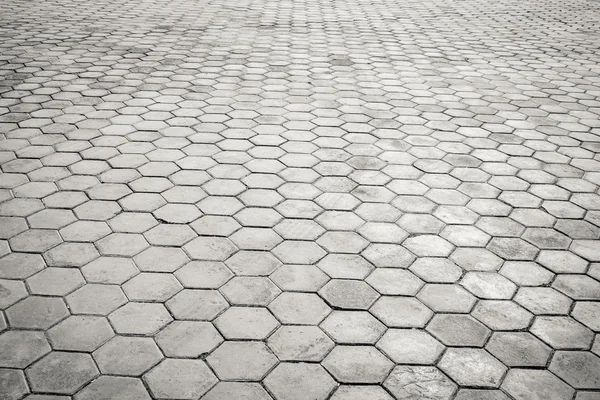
point(299, 199)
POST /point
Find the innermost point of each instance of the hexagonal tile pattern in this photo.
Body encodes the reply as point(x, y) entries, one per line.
point(280, 200)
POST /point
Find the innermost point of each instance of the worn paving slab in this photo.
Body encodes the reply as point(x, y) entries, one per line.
point(299, 200)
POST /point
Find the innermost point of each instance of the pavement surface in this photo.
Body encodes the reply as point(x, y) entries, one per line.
point(299, 200)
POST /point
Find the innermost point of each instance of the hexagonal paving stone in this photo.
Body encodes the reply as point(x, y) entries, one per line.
point(96, 299)
point(357, 364)
point(299, 308)
point(109, 270)
point(472, 367)
point(410, 346)
point(348, 294)
point(353, 327)
point(37, 313)
point(125, 355)
point(55, 281)
point(253, 263)
point(122, 244)
point(458, 330)
point(580, 369)
point(20, 265)
point(80, 333)
point(188, 339)
point(210, 248)
point(160, 259)
point(518, 349)
point(151, 287)
point(303, 278)
point(416, 382)
point(562, 332)
point(300, 343)
point(299, 381)
point(180, 379)
point(140, 318)
point(250, 291)
point(195, 305)
point(446, 298)
point(535, 384)
point(61, 372)
point(18, 349)
point(246, 323)
point(12, 384)
point(249, 361)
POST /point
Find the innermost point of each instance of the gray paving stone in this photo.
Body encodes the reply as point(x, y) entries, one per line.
point(295, 381)
point(180, 379)
point(357, 364)
point(472, 367)
point(417, 382)
point(126, 355)
point(248, 361)
point(61, 372)
point(532, 384)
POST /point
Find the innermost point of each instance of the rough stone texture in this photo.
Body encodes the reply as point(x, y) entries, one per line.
point(299, 200)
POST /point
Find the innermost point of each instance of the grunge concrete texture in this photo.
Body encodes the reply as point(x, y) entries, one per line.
point(299, 199)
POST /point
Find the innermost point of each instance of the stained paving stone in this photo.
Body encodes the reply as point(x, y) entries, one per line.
point(207, 190)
